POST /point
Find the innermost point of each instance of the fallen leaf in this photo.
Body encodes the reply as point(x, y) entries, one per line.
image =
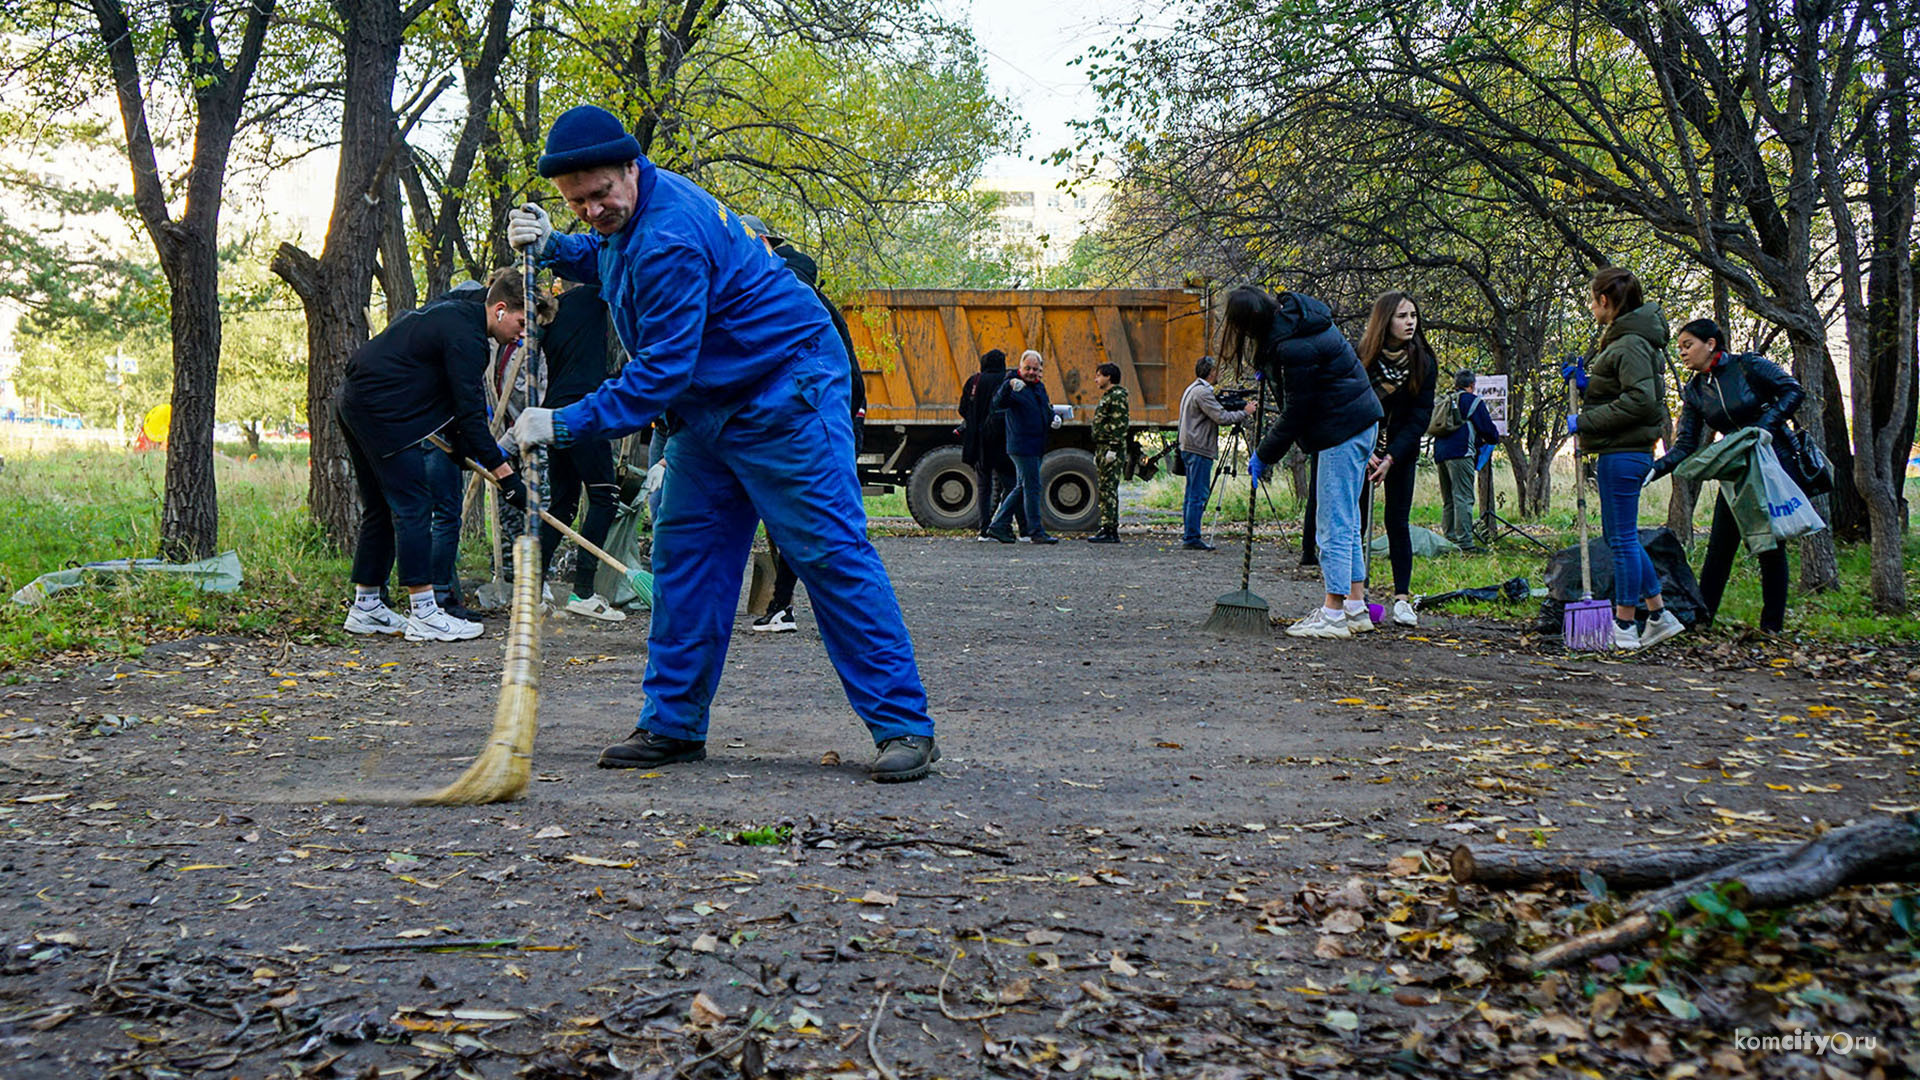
point(1045, 937)
point(589, 860)
point(1119, 966)
point(1343, 921)
point(706, 943)
point(1017, 990)
point(703, 1012)
point(875, 896)
point(551, 832)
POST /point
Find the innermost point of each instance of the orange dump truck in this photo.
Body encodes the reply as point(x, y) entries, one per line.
point(917, 347)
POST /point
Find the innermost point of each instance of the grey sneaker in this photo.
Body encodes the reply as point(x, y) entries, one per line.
point(1404, 615)
point(1626, 638)
point(1321, 624)
point(377, 620)
point(1661, 627)
point(1360, 622)
point(903, 758)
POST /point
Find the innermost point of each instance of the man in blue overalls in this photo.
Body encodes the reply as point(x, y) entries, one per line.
point(738, 351)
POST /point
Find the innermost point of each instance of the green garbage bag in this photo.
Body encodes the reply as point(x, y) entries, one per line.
point(624, 543)
point(1426, 543)
point(218, 574)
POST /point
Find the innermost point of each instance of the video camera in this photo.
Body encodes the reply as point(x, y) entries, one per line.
point(1234, 398)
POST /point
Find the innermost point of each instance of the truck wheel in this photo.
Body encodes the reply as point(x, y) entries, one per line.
point(941, 491)
point(1069, 480)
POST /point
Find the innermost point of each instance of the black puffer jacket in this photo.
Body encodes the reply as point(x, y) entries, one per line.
point(1326, 397)
point(1741, 390)
point(421, 375)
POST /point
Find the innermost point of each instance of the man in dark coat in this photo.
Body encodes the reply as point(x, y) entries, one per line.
point(419, 377)
point(977, 449)
point(1028, 415)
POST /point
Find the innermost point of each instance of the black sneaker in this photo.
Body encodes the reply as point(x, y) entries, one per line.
point(1002, 536)
point(1198, 545)
point(1043, 538)
point(776, 622)
point(1104, 538)
point(903, 758)
point(643, 750)
point(458, 612)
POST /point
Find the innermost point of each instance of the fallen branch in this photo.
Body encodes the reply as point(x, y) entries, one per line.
point(1518, 867)
point(1872, 852)
point(940, 998)
point(873, 1040)
point(429, 945)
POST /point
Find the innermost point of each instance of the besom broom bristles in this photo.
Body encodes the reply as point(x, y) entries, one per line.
point(501, 772)
point(1243, 612)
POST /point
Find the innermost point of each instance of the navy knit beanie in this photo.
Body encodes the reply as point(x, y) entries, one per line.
point(584, 137)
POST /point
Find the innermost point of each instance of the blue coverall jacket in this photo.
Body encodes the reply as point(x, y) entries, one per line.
point(723, 334)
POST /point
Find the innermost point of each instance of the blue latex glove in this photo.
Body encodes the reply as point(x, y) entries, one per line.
point(1485, 456)
point(1575, 371)
point(1573, 425)
point(1256, 468)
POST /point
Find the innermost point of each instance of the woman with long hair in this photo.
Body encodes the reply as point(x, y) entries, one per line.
point(1622, 413)
point(1328, 408)
point(1402, 369)
point(1730, 392)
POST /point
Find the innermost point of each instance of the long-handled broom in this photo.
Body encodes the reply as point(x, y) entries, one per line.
point(501, 772)
point(641, 581)
point(1587, 625)
point(1243, 612)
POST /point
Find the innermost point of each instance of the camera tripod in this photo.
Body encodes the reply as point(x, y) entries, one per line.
point(1230, 446)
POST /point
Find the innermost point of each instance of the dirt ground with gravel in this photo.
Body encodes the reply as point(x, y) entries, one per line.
point(1147, 851)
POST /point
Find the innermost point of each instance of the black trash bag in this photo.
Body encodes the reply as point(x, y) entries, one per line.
point(1510, 590)
point(1678, 586)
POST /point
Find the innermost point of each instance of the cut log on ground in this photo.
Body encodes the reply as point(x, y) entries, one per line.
point(1872, 852)
point(1622, 868)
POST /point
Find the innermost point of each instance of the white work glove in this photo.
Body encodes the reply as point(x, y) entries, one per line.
point(1019, 385)
point(1056, 421)
point(656, 475)
point(533, 428)
point(529, 226)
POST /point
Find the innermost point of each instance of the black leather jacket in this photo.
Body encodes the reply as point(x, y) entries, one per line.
point(1743, 390)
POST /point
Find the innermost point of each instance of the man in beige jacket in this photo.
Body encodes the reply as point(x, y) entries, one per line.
point(1200, 418)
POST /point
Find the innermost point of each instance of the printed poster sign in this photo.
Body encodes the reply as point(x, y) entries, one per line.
point(1492, 389)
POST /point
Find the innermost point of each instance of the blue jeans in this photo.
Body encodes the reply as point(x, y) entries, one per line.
point(1199, 486)
point(1343, 476)
point(1024, 499)
point(444, 476)
point(1620, 476)
point(784, 455)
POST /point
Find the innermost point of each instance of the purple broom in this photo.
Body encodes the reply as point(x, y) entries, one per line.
point(1587, 625)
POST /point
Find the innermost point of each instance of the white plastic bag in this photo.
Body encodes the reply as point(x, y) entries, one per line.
point(1790, 511)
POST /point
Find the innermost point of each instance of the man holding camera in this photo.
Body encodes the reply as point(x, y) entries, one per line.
point(1201, 415)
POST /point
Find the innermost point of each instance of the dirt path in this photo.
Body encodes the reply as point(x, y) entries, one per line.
point(1130, 853)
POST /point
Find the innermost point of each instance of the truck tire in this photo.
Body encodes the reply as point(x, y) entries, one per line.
point(941, 491)
point(1069, 482)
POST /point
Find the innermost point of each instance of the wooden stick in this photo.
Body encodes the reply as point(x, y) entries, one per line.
point(1518, 867)
point(566, 530)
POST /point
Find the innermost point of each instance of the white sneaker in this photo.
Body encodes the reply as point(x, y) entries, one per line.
point(776, 622)
point(1626, 639)
point(595, 607)
point(1320, 624)
point(1404, 615)
point(380, 619)
point(440, 626)
point(1659, 628)
point(1360, 622)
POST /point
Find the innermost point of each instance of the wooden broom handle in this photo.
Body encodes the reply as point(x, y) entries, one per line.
point(585, 544)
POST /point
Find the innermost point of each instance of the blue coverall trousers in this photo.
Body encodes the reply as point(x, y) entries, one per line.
point(783, 454)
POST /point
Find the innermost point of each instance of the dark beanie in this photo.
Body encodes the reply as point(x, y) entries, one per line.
point(993, 360)
point(584, 137)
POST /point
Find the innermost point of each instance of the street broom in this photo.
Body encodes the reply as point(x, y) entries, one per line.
point(501, 772)
point(1243, 612)
point(1587, 624)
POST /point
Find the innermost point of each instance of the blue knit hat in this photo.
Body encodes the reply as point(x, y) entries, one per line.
point(584, 137)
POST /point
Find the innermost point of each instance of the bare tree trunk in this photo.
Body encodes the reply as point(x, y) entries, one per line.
point(1680, 507)
point(335, 288)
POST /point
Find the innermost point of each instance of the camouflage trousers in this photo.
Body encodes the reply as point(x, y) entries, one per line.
point(1109, 472)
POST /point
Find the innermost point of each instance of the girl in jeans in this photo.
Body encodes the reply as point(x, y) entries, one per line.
point(1402, 368)
point(1622, 413)
point(1728, 392)
point(1329, 409)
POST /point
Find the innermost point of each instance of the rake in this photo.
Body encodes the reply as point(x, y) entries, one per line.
point(1587, 624)
point(1243, 612)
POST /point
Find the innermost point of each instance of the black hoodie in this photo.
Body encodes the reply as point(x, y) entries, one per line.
point(983, 439)
point(1325, 395)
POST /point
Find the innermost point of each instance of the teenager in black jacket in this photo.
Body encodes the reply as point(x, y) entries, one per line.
point(419, 377)
point(1403, 371)
point(1728, 392)
point(1329, 408)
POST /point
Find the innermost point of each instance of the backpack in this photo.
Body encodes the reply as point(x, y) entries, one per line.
point(1447, 419)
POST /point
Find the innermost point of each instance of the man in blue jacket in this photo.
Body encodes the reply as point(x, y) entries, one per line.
point(1028, 416)
point(737, 351)
point(1463, 439)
